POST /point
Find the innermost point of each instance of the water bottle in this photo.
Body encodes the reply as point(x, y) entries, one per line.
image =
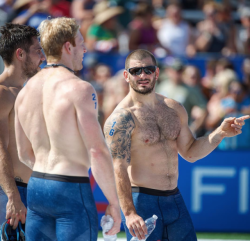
point(150, 224)
point(107, 223)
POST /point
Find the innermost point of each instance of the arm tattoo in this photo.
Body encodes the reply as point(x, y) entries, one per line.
point(118, 132)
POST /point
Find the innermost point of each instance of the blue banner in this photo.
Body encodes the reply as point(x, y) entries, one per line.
point(216, 191)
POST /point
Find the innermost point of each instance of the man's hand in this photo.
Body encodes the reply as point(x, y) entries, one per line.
point(136, 226)
point(15, 211)
point(232, 126)
point(114, 212)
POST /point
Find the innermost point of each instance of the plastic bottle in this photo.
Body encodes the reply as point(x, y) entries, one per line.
point(150, 224)
point(107, 223)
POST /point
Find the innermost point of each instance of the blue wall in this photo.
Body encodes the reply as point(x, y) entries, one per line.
point(216, 190)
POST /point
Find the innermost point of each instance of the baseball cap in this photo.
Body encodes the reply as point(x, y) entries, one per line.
point(9, 234)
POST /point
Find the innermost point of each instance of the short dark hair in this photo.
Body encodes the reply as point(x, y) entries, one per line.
point(14, 36)
point(139, 54)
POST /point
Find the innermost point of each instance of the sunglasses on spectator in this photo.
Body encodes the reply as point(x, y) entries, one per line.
point(138, 70)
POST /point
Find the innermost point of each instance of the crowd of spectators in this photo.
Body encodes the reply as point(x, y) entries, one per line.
point(173, 31)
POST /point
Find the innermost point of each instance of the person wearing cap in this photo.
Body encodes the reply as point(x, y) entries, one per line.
point(102, 34)
point(243, 40)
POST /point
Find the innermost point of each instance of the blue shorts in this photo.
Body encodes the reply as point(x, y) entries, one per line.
point(60, 208)
point(22, 188)
point(173, 223)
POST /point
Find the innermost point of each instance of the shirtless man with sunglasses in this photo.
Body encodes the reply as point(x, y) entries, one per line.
point(145, 133)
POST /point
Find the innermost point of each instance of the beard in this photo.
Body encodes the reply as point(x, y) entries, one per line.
point(144, 90)
point(77, 64)
point(29, 69)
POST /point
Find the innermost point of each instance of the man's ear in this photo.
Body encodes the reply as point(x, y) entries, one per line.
point(20, 54)
point(157, 73)
point(125, 74)
point(68, 47)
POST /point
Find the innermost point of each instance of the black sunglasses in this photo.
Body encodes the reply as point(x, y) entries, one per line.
point(138, 70)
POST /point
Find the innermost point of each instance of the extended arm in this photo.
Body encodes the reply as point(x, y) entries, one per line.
point(118, 130)
point(24, 147)
point(15, 208)
point(194, 149)
point(85, 101)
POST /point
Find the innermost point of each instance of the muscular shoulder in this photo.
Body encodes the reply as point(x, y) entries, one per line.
point(83, 93)
point(178, 107)
point(7, 100)
point(118, 130)
point(120, 119)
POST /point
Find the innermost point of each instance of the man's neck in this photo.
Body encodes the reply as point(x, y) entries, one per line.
point(143, 100)
point(62, 61)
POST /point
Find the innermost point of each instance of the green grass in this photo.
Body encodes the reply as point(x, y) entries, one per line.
point(244, 236)
point(239, 236)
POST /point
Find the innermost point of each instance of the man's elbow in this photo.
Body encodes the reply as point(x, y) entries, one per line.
point(98, 153)
point(189, 157)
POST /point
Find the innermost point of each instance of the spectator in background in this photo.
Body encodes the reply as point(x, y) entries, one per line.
point(219, 106)
point(192, 79)
point(188, 96)
point(60, 8)
point(223, 64)
point(159, 8)
point(239, 93)
point(235, 104)
point(102, 34)
point(82, 11)
point(246, 73)
point(243, 41)
point(175, 34)
point(214, 37)
point(33, 12)
point(142, 33)
point(207, 80)
point(102, 74)
point(6, 8)
point(117, 89)
point(224, 18)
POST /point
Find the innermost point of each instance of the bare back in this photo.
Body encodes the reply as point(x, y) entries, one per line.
point(48, 117)
point(154, 154)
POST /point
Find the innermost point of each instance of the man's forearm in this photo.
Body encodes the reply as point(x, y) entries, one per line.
point(203, 146)
point(124, 191)
point(7, 181)
point(103, 172)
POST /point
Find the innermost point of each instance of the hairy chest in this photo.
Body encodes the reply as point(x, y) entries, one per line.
point(154, 126)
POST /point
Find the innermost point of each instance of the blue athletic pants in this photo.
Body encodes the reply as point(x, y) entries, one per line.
point(173, 223)
point(60, 208)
